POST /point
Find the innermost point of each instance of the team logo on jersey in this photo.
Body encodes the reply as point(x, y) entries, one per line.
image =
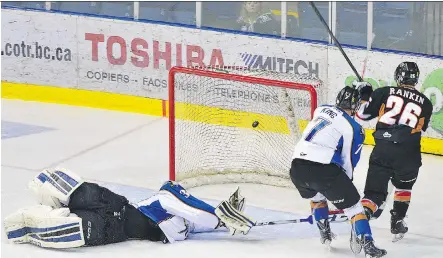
point(387, 135)
point(360, 146)
point(184, 193)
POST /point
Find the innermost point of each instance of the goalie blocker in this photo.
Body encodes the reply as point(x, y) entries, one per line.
point(73, 213)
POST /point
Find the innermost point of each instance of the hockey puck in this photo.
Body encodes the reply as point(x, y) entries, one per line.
point(255, 124)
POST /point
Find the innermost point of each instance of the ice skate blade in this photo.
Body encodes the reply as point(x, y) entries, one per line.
point(398, 237)
point(355, 246)
point(327, 243)
point(374, 256)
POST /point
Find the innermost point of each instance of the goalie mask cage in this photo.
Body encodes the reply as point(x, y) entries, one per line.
point(235, 125)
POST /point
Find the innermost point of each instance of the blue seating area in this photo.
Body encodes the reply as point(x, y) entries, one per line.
point(395, 24)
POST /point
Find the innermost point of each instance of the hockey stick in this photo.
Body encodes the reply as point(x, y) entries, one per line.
point(335, 40)
point(333, 217)
point(289, 221)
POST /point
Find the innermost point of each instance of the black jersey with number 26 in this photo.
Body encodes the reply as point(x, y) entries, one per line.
point(403, 113)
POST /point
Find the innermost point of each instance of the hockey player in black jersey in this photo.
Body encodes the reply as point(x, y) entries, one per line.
point(403, 113)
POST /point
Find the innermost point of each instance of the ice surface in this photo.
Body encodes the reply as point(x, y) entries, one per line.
point(129, 154)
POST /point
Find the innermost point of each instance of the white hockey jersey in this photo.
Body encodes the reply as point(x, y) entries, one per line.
point(332, 137)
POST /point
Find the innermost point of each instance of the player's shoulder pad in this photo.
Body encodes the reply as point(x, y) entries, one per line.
point(356, 127)
point(384, 90)
point(428, 101)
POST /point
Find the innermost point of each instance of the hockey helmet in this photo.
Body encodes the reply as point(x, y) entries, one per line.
point(407, 73)
point(348, 98)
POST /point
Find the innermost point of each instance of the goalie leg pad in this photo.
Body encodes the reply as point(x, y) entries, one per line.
point(45, 227)
point(53, 187)
point(233, 219)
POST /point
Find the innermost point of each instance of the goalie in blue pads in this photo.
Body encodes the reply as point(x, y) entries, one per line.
point(74, 213)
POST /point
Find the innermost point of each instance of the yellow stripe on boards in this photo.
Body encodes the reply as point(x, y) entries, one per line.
point(154, 107)
point(233, 118)
point(86, 98)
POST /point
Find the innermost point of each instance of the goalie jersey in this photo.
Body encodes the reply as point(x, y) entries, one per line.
point(332, 137)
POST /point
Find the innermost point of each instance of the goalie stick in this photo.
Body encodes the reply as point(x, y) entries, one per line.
point(334, 216)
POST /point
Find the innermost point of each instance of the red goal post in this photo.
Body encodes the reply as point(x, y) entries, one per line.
point(197, 110)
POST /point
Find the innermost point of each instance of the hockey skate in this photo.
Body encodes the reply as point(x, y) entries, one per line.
point(326, 234)
point(371, 251)
point(398, 227)
point(362, 242)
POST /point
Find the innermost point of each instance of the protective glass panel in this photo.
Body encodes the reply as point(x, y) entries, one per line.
point(257, 17)
point(25, 4)
point(77, 7)
point(304, 23)
point(352, 23)
point(409, 26)
point(174, 12)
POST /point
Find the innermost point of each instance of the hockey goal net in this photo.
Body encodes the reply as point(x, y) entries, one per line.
point(232, 125)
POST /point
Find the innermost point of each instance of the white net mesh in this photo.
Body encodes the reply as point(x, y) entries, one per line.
point(232, 130)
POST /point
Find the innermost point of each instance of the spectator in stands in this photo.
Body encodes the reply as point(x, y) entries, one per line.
point(255, 18)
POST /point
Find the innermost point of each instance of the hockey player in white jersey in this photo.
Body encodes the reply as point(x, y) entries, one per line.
point(74, 213)
point(322, 169)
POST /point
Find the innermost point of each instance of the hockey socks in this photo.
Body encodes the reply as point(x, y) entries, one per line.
point(370, 208)
point(402, 198)
point(320, 210)
point(361, 226)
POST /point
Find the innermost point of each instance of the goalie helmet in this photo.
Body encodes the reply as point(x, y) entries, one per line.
point(407, 73)
point(349, 99)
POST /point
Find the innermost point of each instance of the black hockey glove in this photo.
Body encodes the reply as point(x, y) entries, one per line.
point(364, 89)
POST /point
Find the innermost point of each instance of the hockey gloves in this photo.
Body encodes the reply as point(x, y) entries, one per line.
point(233, 219)
point(364, 89)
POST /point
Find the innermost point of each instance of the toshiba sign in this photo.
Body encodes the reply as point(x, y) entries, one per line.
point(142, 53)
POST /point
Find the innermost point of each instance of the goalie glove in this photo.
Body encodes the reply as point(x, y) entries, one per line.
point(234, 220)
point(237, 200)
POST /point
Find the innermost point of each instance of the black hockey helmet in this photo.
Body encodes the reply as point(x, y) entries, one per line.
point(407, 73)
point(348, 98)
